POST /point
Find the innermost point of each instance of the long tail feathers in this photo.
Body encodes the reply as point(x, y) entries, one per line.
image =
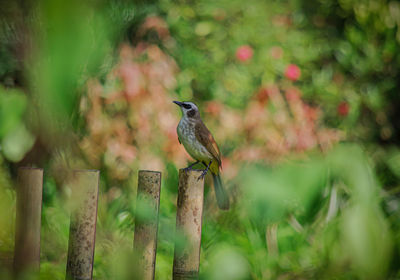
point(220, 193)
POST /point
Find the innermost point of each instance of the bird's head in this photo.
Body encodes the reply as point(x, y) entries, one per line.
point(189, 109)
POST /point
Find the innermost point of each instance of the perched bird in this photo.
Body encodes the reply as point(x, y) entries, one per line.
point(200, 144)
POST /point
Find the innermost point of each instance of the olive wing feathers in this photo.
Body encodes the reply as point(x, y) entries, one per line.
point(204, 136)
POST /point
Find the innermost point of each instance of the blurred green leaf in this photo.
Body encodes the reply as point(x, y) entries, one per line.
point(367, 241)
point(393, 161)
point(227, 263)
point(17, 143)
point(273, 193)
point(12, 108)
point(72, 40)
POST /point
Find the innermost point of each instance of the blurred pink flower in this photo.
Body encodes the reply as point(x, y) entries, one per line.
point(244, 53)
point(132, 77)
point(292, 72)
point(293, 94)
point(311, 113)
point(154, 23)
point(213, 108)
point(343, 109)
point(230, 169)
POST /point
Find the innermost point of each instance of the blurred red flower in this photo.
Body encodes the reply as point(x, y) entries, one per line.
point(244, 53)
point(343, 109)
point(292, 72)
point(262, 95)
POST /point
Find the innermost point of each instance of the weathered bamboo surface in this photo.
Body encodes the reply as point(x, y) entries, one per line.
point(82, 233)
point(188, 223)
point(146, 226)
point(28, 219)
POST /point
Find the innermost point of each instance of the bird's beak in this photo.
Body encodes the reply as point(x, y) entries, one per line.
point(178, 103)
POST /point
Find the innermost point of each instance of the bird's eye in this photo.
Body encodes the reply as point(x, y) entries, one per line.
point(187, 106)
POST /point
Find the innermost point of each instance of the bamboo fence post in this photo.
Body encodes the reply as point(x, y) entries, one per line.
point(271, 235)
point(28, 219)
point(82, 231)
point(145, 239)
point(188, 221)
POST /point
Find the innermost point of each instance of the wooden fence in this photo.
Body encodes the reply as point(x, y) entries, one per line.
point(82, 234)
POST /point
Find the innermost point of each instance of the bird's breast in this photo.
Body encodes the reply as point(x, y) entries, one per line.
point(187, 135)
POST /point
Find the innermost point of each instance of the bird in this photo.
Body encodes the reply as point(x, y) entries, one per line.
point(201, 146)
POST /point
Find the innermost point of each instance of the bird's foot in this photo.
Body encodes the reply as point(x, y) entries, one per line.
point(187, 169)
point(190, 167)
point(203, 174)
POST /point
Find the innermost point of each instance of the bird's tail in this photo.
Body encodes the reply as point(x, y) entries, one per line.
point(220, 193)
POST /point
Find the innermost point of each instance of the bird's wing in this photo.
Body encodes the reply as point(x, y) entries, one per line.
point(204, 136)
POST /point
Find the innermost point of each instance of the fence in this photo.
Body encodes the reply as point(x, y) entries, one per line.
point(81, 245)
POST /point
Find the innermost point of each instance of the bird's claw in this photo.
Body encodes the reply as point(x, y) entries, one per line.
point(187, 169)
point(202, 175)
point(190, 167)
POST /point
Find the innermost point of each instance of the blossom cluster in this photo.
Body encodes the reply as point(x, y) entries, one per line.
point(131, 120)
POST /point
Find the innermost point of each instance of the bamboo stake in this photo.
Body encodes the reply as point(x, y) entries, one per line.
point(28, 219)
point(145, 239)
point(188, 221)
point(82, 232)
point(272, 239)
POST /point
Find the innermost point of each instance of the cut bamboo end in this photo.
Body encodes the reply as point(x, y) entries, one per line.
point(188, 223)
point(146, 223)
point(82, 233)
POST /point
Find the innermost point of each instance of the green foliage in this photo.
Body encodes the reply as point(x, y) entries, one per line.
point(347, 52)
point(356, 235)
point(364, 49)
point(72, 40)
point(15, 139)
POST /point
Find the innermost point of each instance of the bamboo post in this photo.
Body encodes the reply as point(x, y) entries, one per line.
point(188, 222)
point(272, 239)
point(82, 231)
point(146, 223)
point(28, 219)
